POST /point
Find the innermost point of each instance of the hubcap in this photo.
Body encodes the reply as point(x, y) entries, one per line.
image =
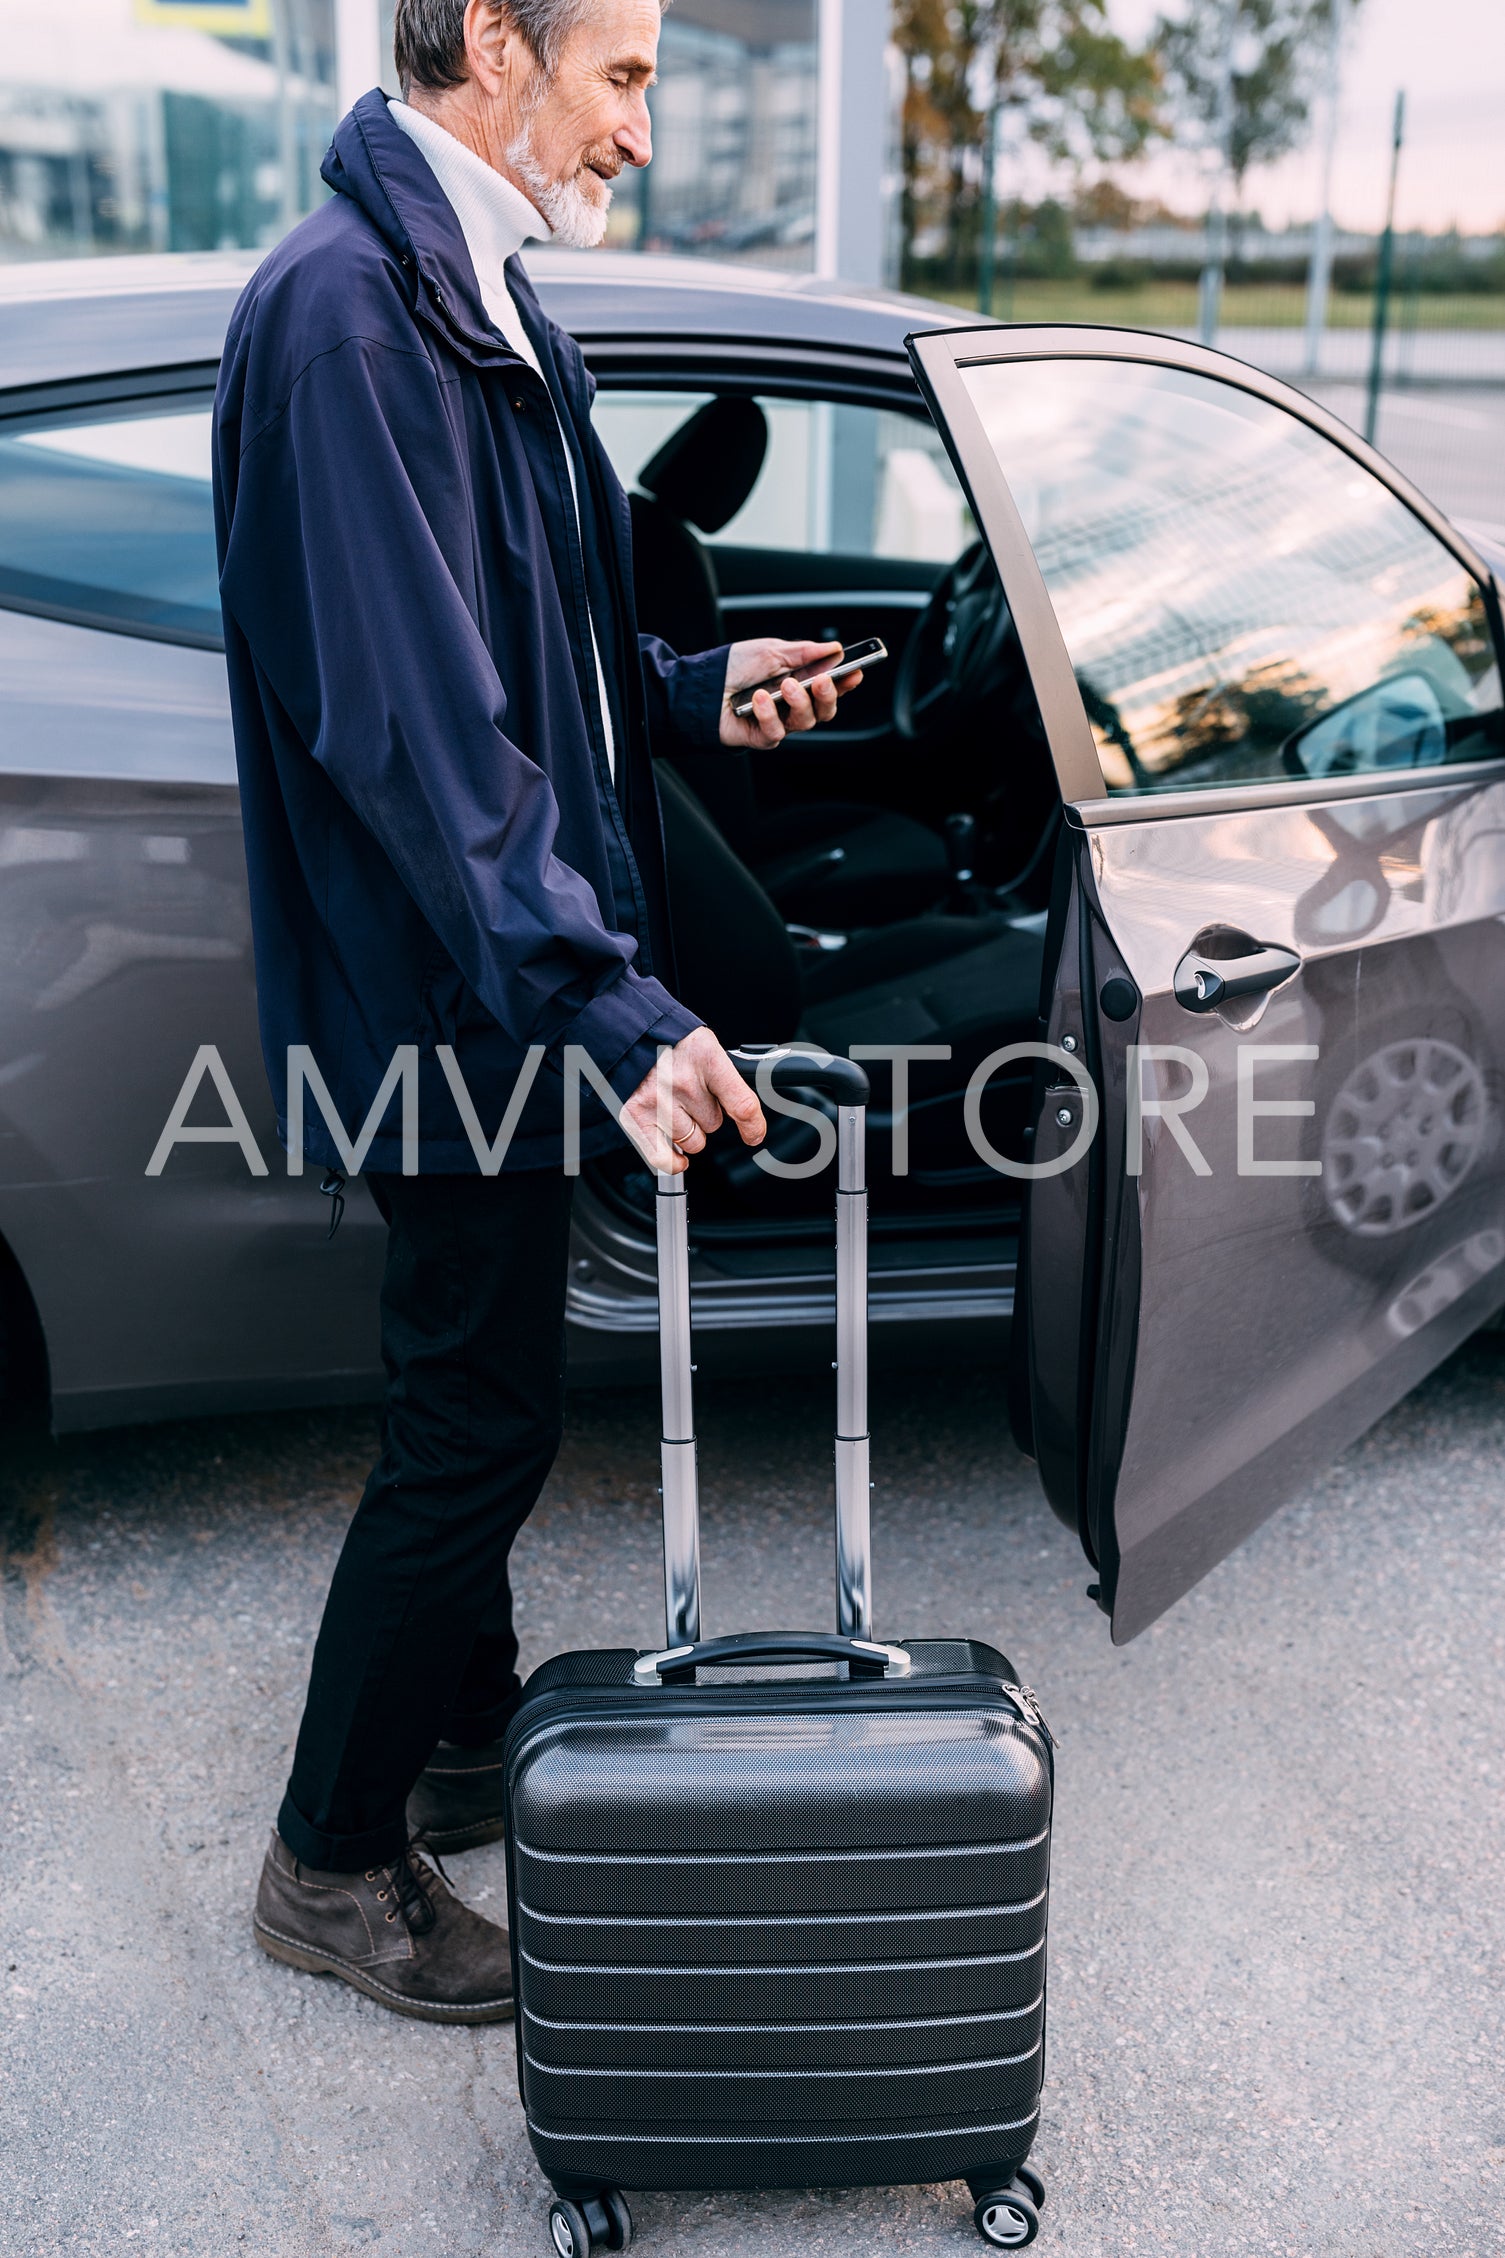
point(1403, 1132)
point(564, 2240)
point(1005, 2225)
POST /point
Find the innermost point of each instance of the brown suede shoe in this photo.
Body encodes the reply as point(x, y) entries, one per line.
point(398, 1933)
point(456, 1803)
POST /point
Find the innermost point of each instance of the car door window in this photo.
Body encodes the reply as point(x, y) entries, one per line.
point(1240, 598)
point(107, 519)
point(838, 479)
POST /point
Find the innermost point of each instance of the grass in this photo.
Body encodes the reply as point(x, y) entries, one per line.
point(1173, 305)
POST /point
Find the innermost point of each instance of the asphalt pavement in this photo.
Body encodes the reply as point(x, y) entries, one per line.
point(1278, 1932)
point(1449, 439)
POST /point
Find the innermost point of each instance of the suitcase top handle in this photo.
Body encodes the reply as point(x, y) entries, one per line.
point(787, 1067)
point(864, 1658)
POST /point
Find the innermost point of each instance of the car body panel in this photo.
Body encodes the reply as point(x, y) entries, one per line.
point(1199, 1342)
point(1269, 1334)
point(75, 320)
point(123, 904)
point(83, 318)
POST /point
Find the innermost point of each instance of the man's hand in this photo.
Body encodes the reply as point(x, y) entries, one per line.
point(698, 1088)
point(808, 703)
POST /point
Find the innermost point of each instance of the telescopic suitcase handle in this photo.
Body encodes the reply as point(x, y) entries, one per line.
point(785, 1069)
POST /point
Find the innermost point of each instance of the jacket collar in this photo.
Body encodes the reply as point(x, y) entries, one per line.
point(495, 218)
point(385, 173)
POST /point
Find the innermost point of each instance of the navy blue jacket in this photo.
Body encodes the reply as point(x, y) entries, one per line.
point(437, 852)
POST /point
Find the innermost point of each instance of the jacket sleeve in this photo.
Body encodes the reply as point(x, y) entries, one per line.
point(336, 573)
point(684, 696)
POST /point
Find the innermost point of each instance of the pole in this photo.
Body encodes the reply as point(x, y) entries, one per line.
point(300, 63)
point(1010, 256)
point(851, 131)
point(357, 50)
point(830, 27)
point(645, 192)
point(1383, 276)
point(1320, 272)
point(987, 248)
point(1210, 288)
point(287, 140)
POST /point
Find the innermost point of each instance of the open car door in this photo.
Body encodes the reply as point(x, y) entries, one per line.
point(1270, 677)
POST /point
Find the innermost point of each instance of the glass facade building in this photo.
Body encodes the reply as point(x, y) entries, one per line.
point(191, 125)
point(160, 125)
point(734, 121)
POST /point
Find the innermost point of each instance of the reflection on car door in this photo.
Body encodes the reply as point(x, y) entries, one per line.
point(127, 944)
point(1271, 679)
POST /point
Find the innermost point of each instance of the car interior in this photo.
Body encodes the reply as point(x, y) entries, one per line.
point(884, 881)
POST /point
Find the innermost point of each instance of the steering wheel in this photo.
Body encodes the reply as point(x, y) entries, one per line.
point(954, 656)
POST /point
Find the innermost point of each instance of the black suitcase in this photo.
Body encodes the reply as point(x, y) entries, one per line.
point(778, 1902)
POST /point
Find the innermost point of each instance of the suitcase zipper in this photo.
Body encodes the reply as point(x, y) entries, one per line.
point(1029, 1709)
point(587, 1701)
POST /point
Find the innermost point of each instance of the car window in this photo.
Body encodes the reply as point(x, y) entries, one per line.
point(1240, 598)
point(107, 518)
point(837, 479)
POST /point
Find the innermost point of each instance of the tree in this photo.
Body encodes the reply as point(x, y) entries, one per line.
point(1056, 69)
point(1242, 74)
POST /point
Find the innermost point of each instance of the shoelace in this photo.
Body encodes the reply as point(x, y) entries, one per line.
point(413, 1900)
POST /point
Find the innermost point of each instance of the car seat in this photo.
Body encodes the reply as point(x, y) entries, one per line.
point(970, 982)
point(828, 863)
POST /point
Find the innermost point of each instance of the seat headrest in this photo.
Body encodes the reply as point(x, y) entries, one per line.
point(704, 473)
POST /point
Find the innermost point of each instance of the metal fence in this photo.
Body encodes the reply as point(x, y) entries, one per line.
point(1417, 365)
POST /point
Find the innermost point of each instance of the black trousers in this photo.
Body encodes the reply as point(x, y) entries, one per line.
point(417, 1643)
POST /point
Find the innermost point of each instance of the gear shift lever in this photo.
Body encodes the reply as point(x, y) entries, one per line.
point(961, 850)
point(961, 845)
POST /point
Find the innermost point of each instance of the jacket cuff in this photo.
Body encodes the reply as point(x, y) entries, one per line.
point(625, 1027)
point(636, 1064)
point(699, 687)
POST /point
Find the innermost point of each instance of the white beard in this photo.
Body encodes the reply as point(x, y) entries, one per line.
point(574, 217)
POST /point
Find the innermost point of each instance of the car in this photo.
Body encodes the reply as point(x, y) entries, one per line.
point(1168, 852)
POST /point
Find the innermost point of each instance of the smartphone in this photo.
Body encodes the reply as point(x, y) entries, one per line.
point(854, 658)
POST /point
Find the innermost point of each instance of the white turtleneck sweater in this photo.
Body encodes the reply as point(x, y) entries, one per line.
point(496, 220)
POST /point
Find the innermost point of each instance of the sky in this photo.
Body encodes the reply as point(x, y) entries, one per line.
point(1449, 56)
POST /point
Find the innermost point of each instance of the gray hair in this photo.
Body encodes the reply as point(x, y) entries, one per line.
point(428, 36)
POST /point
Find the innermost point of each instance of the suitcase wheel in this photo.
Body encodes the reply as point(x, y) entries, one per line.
point(596, 2222)
point(1007, 2218)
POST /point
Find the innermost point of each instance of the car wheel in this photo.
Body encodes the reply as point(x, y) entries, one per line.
point(1401, 1135)
point(1406, 1125)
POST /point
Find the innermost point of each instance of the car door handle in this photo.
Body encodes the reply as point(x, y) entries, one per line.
point(1202, 983)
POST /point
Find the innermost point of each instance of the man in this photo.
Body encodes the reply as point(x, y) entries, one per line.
point(443, 717)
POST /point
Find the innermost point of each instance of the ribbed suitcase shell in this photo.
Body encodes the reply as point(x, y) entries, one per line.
point(779, 1933)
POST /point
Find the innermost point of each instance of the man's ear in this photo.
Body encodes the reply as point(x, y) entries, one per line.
point(495, 53)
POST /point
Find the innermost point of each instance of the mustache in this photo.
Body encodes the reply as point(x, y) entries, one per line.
point(606, 159)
